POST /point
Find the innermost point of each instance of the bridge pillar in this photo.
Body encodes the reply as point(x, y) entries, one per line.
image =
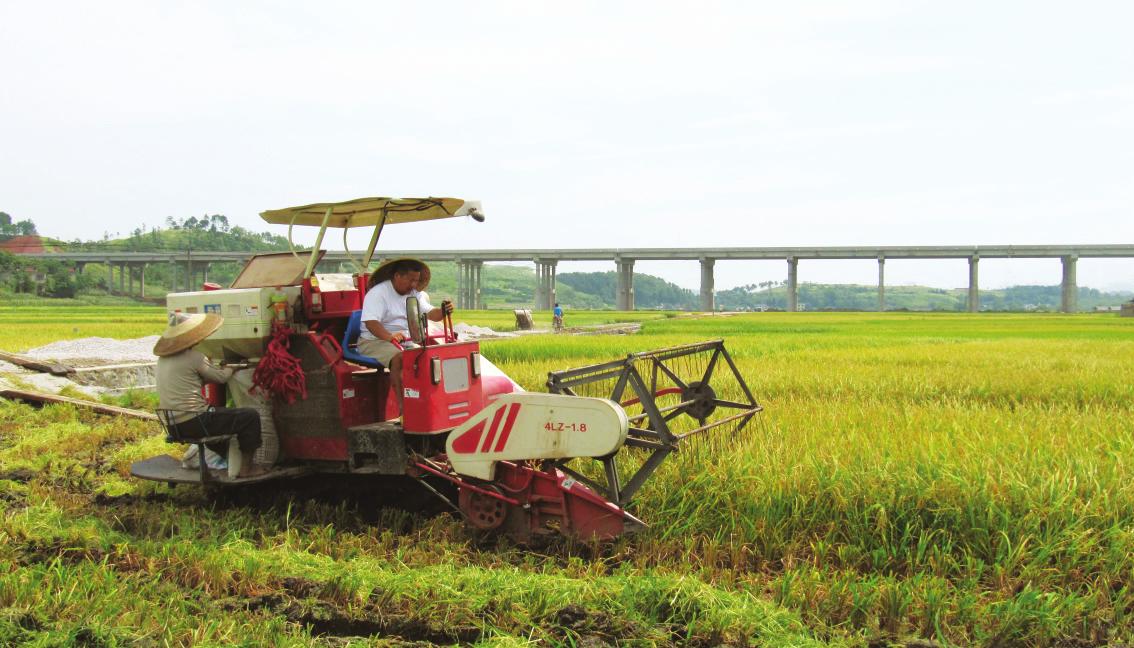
point(792, 284)
point(974, 284)
point(881, 284)
point(205, 272)
point(625, 295)
point(477, 295)
point(130, 273)
point(471, 288)
point(545, 283)
point(172, 276)
point(1070, 286)
point(463, 280)
point(539, 298)
point(468, 284)
point(550, 276)
point(142, 282)
point(707, 284)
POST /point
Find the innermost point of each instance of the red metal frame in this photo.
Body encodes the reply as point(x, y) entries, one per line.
point(215, 394)
point(430, 404)
point(526, 502)
point(319, 304)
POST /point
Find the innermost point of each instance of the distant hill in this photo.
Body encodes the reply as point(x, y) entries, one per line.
point(32, 244)
point(508, 286)
point(207, 233)
point(654, 293)
point(212, 233)
point(649, 291)
point(919, 298)
point(52, 278)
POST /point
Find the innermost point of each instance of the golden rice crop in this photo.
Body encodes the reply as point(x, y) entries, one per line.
point(958, 478)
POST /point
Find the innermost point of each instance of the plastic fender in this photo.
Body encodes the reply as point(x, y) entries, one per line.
point(535, 426)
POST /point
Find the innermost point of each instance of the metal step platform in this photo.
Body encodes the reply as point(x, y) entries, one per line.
point(165, 468)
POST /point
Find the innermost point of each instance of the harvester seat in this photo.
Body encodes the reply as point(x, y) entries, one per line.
point(350, 342)
point(180, 433)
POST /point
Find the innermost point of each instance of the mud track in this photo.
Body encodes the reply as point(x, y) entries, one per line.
point(300, 603)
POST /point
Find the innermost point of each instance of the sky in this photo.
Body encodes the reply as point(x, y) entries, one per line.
point(591, 124)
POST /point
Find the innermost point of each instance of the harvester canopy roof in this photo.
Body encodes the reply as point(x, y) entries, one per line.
point(368, 212)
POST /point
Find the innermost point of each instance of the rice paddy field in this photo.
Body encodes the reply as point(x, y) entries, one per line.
point(35, 322)
point(915, 479)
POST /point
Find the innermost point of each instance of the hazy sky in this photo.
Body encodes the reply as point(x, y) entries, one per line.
point(591, 124)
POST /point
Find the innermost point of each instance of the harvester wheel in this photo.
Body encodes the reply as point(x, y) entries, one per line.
point(703, 396)
point(482, 511)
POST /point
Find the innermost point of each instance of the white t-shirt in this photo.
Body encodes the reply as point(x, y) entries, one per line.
point(384, 305)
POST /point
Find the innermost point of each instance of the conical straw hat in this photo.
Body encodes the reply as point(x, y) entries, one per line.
point(185, 331)
point(386, 271)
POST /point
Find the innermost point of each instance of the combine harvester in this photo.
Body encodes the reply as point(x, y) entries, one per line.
point(522, 463)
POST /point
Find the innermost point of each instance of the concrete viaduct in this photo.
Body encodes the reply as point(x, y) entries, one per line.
point(195, 265)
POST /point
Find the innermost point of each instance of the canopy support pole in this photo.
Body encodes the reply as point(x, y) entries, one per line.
point(374, 240)
point(318, 243)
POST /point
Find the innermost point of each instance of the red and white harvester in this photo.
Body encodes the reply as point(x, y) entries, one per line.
point(522, 463)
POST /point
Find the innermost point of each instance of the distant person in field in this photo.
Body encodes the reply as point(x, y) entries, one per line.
point(181, 373)
point(557, 316)
point(384, 322)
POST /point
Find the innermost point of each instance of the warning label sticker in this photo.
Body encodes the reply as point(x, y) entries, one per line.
point(412, 393)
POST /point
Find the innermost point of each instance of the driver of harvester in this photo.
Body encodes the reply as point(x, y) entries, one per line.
point(384, 322)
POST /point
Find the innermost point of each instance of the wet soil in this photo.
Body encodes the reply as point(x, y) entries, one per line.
point(300, 602)
point(118, 501)
point(33, 552)
point(17, 626)
point(365, 495)
point(19, 475)
point(575, 624)
point(353, 504)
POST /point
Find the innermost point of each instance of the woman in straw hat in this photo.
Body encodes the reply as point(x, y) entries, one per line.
point(183, 370)
point(384, 321)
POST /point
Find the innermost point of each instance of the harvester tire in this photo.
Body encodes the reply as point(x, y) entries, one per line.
point(483, 511)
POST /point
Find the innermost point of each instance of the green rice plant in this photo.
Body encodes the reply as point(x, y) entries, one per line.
point(32, 323)
point(27, 327)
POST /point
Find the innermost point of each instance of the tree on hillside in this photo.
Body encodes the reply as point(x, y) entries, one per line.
point(9, 229)
point(210, 232)
point(213, 224)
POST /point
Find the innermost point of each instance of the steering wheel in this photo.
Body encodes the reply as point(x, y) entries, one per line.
point(416, 321)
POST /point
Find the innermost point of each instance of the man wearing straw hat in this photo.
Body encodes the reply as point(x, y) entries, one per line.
point(384, 321)
point(181, 372)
